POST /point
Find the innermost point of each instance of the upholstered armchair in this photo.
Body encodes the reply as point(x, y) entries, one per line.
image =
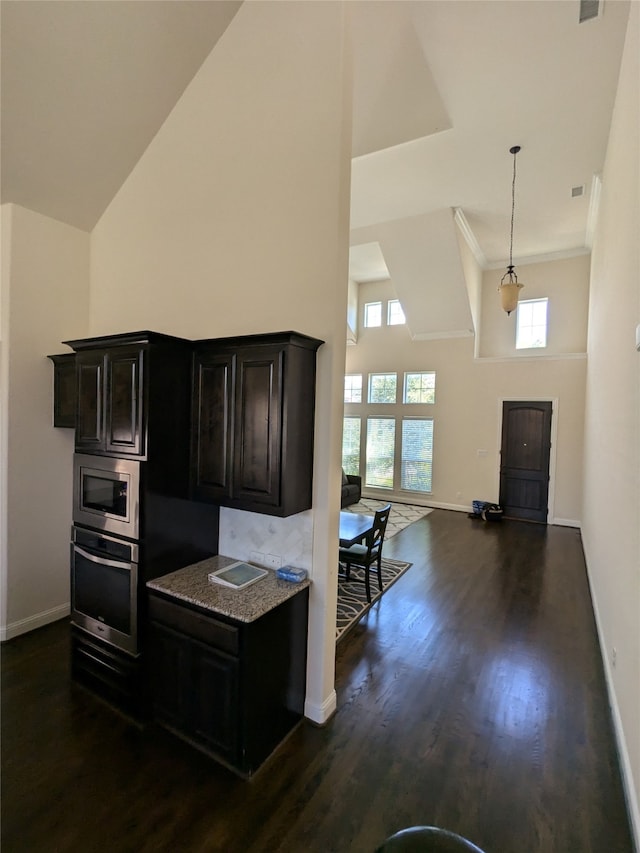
point(351, 489)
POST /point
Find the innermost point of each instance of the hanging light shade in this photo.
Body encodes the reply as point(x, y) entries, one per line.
point(509, 291)
point(509, 285)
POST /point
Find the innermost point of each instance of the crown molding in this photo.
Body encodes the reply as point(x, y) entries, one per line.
point(594, 209)
point(470, 238)
point(478, 254)
point(541, 259)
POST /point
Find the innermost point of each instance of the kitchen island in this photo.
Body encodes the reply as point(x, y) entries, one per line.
point(228, 666)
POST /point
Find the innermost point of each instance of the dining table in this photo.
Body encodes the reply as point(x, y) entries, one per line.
point(353, 527)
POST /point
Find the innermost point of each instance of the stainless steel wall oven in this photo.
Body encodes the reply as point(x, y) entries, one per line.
point(104, 587)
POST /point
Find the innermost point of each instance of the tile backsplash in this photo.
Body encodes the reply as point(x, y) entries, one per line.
point(245, 533)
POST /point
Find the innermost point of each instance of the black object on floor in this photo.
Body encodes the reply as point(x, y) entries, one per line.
point(427, 839)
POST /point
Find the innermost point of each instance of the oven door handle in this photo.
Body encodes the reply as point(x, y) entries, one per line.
point(103, 561)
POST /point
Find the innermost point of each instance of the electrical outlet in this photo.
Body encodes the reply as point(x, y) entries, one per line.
point(257, 557)
point(614, 656)
point(273, 561)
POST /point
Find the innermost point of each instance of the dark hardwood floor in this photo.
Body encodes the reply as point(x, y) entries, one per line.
point(472, 697)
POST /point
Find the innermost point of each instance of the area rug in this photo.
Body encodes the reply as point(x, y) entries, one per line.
point(352, 596)
point(401, 515)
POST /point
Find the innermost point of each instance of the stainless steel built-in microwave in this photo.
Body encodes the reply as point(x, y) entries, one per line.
point(106, 494)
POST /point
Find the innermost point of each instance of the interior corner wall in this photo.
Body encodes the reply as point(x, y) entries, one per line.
point(235, 221)
point(611, 515)
point(45, 300)
point(6, 219)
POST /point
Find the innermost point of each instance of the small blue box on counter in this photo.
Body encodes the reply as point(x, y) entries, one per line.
point(291, 573)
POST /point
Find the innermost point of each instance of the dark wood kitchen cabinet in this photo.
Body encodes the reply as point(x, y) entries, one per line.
point(134, 398)
point(212, 444)
point(231, 689)
point(195, 690)
point(253, 422)
point(64, 390)
point(110, 673)
point(110, 401)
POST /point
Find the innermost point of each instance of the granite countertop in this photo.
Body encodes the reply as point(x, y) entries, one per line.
point(191, 584)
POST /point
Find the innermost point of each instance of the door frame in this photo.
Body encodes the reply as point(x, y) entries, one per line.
point(553, 438)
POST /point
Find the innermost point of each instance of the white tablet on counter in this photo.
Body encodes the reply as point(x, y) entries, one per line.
point(237, 575)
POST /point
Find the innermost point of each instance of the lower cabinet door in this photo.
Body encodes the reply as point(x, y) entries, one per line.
point(195, 691)
point(215, 706)
point(170, 664)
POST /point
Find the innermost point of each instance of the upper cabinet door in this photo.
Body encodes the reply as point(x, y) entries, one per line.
point(65, 391)
point(258, 426)
point(124, 429)
point(110, 413)
point(252, 422)
point(211, 449)
point(90, 402)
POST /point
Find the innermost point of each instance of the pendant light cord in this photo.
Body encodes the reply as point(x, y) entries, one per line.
point(512, 276)
point(513, 207)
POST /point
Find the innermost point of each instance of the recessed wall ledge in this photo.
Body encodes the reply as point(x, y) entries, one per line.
point(560, 356)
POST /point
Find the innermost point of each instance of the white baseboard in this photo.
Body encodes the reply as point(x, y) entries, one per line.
point(397, 499)
point(320, 714)
point(23, 626)
point(454, 507)
point(560, 522)
point(631, 795)
point(426, 504)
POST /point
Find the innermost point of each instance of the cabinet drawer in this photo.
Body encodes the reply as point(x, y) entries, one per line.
point(110, 674)
point(196, 625)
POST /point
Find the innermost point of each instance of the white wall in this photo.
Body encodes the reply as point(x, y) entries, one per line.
point(45, 275)
point(564, 282)
point(612, 437)
point(467, 412)
point(235, 221)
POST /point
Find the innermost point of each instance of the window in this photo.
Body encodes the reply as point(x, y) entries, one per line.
point(373, 314)
point(420, 387)
point(353, 388)
point(351, 446)
point(389, 441)
point(417, 454)
point(381, 439)
point(395, 314)
point(531, 324)
point(382, 387)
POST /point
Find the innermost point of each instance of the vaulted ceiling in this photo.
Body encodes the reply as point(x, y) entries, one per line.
point(442, 90)
point(462, 82)
point(85, 86)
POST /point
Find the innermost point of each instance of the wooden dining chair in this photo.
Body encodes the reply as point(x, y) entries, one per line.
point(369, 552)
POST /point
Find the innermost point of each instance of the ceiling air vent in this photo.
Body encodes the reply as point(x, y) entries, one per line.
point(576, 192)
point(590, 9)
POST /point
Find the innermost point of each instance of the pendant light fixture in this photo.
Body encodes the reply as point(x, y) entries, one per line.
point(510, 288)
